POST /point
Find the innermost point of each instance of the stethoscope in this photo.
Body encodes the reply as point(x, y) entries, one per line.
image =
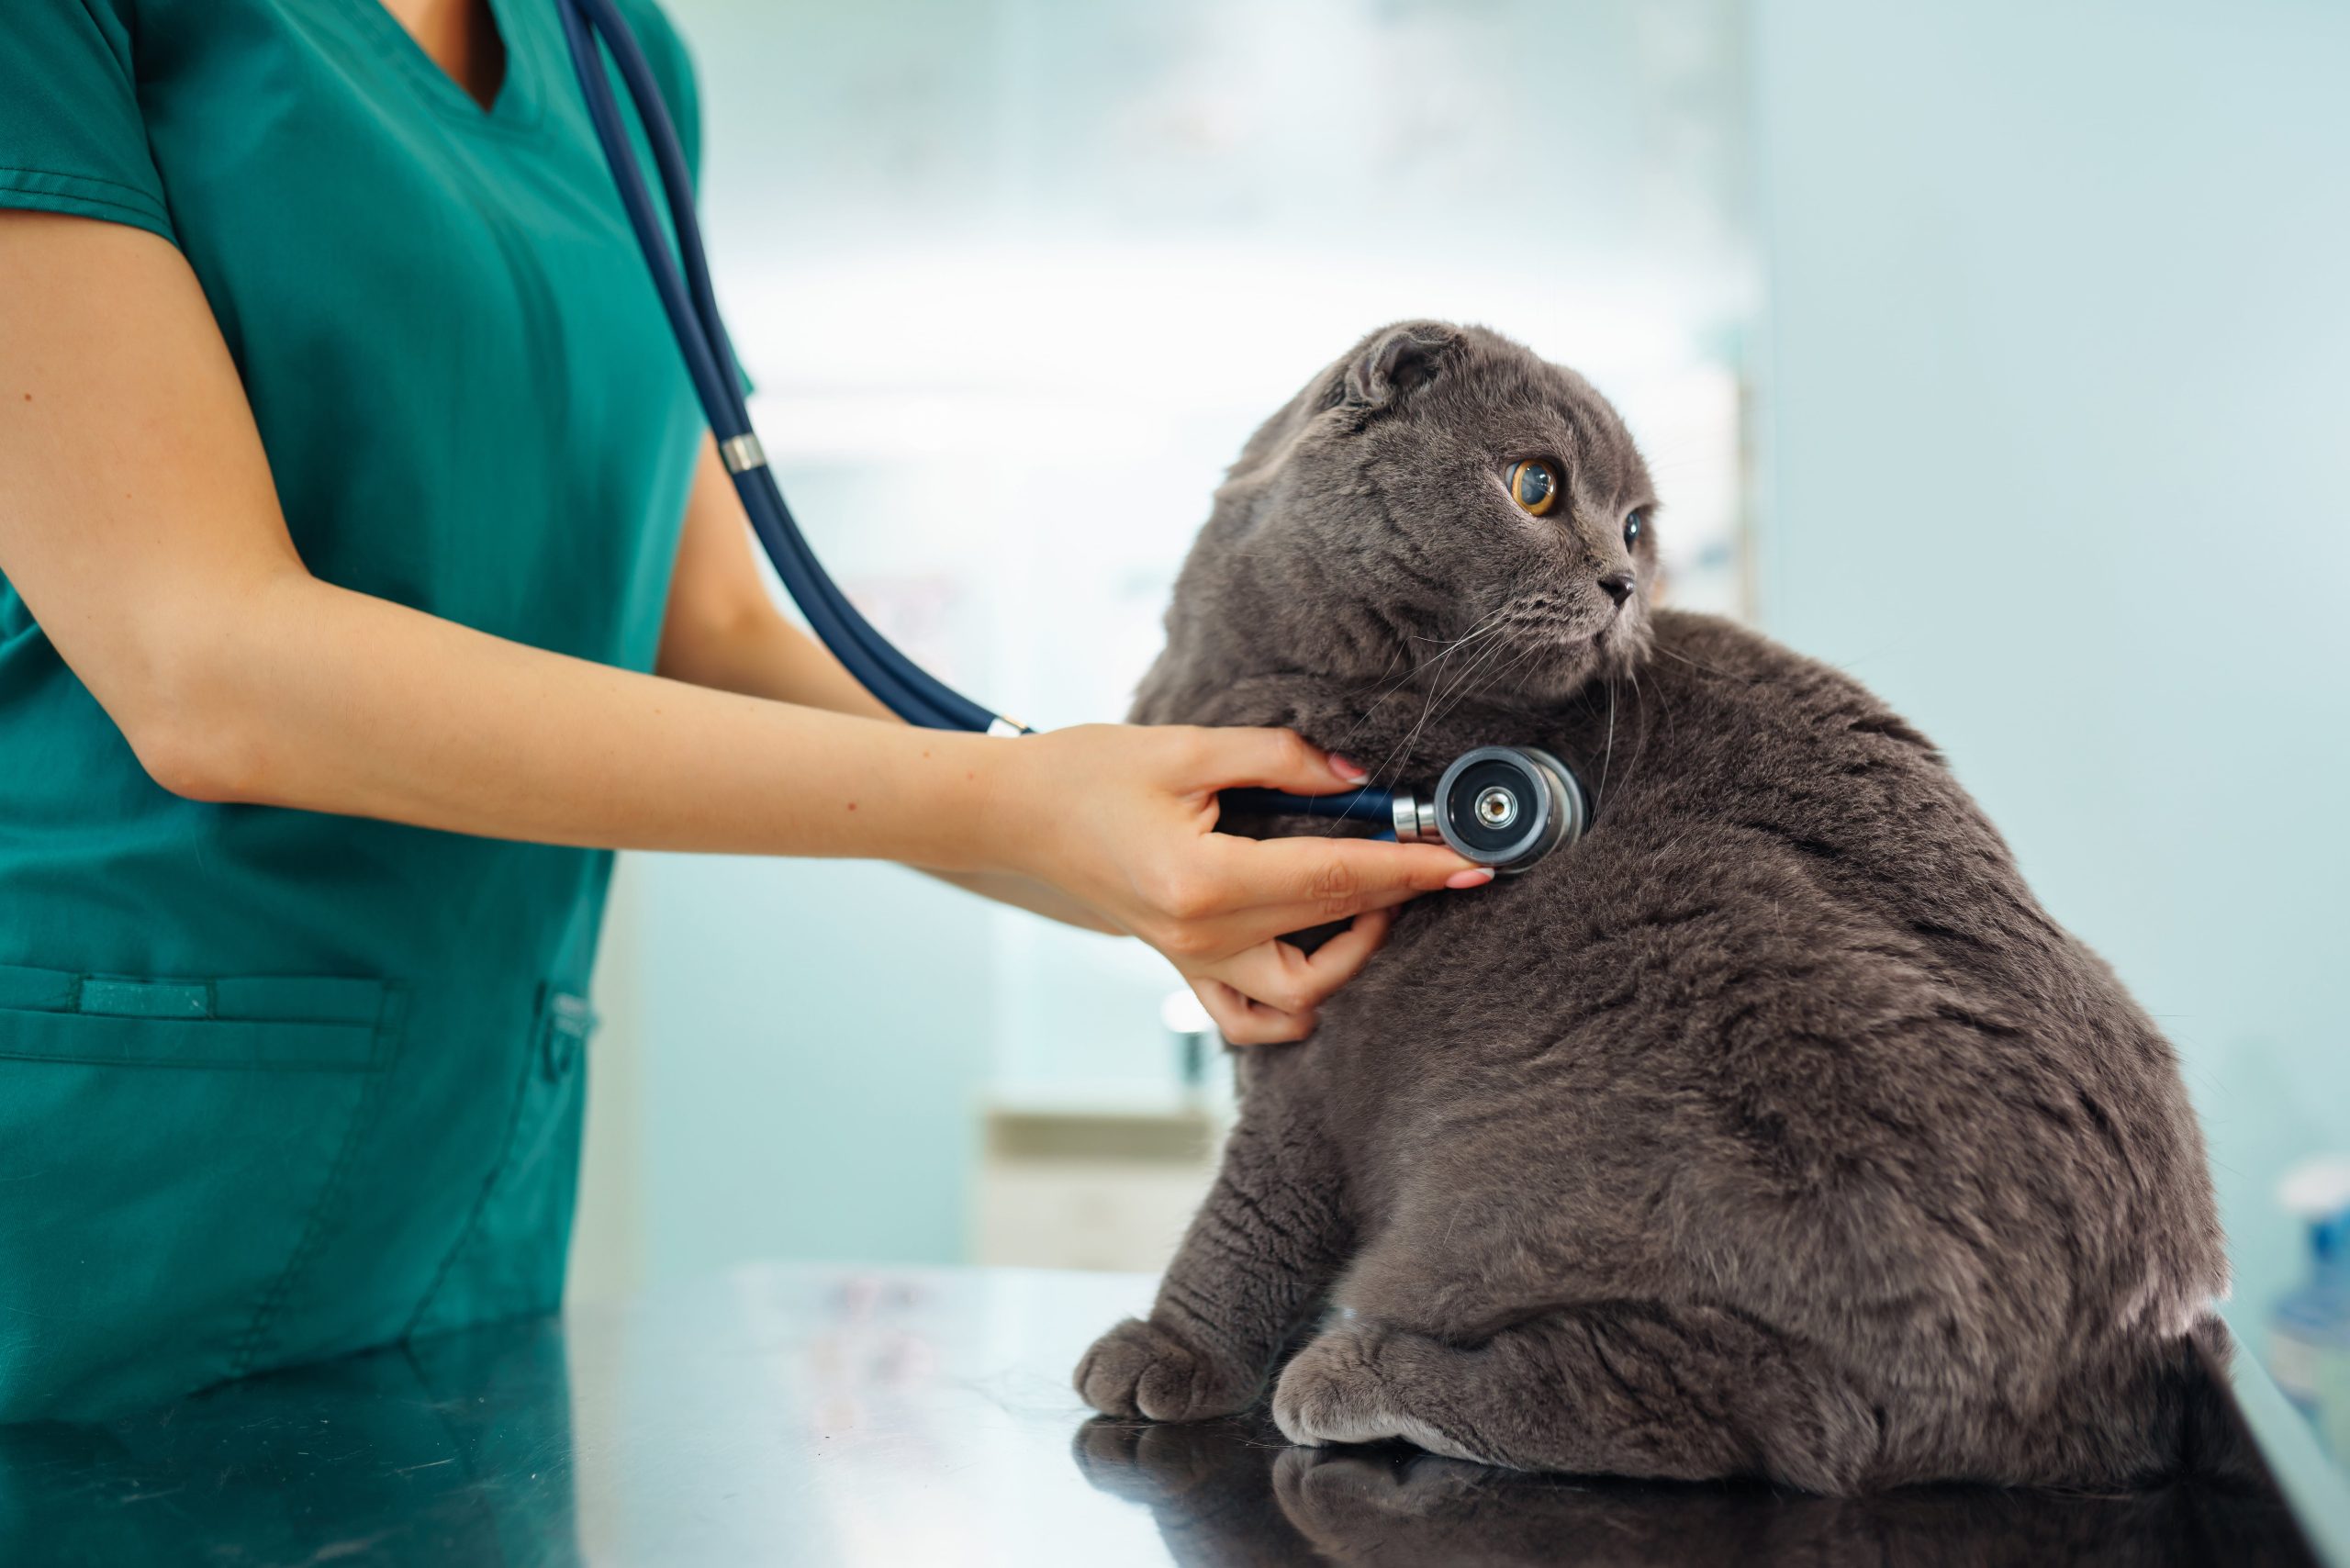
point(1500, 806)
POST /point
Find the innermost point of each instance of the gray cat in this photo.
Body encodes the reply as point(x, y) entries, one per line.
point(1772, 1129)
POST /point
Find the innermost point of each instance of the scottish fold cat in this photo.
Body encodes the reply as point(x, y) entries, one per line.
point(1772, 1129)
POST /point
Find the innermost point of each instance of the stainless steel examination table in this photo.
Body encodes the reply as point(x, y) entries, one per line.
point(920, 1416)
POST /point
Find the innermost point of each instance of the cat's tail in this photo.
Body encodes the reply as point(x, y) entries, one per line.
point(2194, 1402)
point(2149, 1414)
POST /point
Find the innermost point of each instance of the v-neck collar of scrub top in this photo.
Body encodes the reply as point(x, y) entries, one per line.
point(517, 105)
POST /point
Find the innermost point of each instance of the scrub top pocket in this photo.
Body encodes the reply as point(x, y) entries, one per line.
point(510, 1263)
point(179, 1140)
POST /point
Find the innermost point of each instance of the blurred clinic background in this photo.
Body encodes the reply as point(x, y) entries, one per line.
point(1996, 352)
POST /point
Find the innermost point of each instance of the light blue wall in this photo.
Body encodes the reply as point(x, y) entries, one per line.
point(2060, 380)
point(814, 1039)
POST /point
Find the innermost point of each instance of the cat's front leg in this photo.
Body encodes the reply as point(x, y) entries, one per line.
point(1256, 1262)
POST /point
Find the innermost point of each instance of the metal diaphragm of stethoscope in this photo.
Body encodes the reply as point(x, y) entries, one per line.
point(1500, 806)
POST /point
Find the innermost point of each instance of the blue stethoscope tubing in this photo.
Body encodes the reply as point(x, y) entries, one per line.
point(1364, 805)
point(682, 281)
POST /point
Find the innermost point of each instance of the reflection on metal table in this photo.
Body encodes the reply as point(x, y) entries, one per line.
point(916, 1417)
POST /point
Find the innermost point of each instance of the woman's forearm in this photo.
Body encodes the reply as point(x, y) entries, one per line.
point(318, 697)
point(757, 653)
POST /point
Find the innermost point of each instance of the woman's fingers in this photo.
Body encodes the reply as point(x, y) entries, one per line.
point(1248, 892)
point(1244, 1022)
point(1257, 925)
point(1277, 885)
point(1269, 759)
point(1284, 985)
point(1341, 959)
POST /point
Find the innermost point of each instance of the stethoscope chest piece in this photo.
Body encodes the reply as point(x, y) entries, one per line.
point(1501, 806)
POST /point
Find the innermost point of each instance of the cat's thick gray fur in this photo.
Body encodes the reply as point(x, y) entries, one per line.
point(1772, 1129)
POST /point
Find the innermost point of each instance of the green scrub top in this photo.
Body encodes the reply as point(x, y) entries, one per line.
point(277, 1085)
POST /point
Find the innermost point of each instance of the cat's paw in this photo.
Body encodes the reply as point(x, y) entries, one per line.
point(1340, 1389)
point(1347, 1501)
point(1165, 1462)
point(1142, 1369)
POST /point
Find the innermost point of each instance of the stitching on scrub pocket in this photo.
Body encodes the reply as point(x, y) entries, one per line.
point(561, 1011)
point(390, 1033)
point(292, 1023)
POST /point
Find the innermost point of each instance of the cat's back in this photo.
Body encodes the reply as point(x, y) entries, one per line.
point(1797, 1022)
point(1721, 717)
point(1732, 763)
point(1799, 872)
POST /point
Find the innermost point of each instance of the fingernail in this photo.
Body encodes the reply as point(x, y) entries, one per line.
point(1352, 772)
point(1475, 876)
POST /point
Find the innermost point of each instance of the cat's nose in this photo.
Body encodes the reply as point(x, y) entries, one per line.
point(1618, 584)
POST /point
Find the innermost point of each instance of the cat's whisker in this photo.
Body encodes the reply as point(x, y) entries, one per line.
point(1484, 669)
point(1525, 657)
point(1486, 628)
point(1698, 664)
point(1467, 685)
point(1444, 696)
point(1607, 752)
point(1437, 693)
point(1640, 700)
point(1488, 624)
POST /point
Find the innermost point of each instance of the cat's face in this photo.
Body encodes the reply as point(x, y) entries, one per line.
point(1439, 506)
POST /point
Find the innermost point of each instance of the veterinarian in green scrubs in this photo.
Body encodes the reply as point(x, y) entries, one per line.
point(365, 580)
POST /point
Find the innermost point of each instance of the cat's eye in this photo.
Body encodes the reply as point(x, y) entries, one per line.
point(1535, 486)
point(1634, 526)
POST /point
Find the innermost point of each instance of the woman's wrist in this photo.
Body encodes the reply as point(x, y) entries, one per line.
point(1002, 806)
point(945, 800)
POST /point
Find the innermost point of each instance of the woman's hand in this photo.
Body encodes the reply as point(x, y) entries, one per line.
point(1122, 820)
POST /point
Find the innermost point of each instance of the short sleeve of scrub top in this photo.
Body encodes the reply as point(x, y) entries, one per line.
point(277, 1085)
point(69, 123)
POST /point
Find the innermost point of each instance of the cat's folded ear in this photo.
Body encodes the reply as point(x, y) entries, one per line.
point(1395, 361)
point(1387, 365)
